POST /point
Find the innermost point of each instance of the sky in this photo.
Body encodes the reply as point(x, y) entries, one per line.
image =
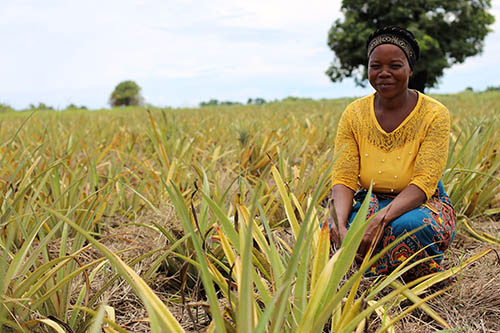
point(183, 52)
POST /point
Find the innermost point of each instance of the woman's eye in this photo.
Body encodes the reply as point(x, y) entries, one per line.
point(395, 66)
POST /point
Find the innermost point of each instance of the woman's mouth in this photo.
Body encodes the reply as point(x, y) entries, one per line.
point(385, 85)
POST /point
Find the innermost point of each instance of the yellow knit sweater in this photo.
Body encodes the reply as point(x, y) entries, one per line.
point(414, 153)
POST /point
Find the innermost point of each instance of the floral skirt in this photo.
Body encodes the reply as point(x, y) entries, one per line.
point(438, 217)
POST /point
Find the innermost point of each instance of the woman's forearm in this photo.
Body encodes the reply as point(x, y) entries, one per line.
point(342, 202)
point(410, 198)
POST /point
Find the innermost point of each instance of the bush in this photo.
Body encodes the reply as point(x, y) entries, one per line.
point(214, 102)
point(5, 108)
point(126, 93)
point(493, 88)
point(40, 106)
point(257, 101)
point(76, 107)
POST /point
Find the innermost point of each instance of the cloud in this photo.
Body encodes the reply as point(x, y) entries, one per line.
point(192, 48)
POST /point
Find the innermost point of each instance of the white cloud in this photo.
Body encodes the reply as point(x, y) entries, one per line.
point(178, 50)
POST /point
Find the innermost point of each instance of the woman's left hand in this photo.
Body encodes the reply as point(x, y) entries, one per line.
point(372, 231)
point(410, 198)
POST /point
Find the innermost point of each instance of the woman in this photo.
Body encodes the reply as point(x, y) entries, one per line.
point(396, 139)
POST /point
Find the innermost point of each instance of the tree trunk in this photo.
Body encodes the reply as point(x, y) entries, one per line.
point(417, 81)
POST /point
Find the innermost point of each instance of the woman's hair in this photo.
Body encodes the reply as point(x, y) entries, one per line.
point(398, 36)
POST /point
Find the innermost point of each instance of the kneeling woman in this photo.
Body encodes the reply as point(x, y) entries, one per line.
point(397, 139)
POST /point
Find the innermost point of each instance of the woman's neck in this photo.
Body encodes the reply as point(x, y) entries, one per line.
point(395, 104)
point(390, 113)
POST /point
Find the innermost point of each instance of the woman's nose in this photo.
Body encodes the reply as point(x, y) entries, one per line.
point(384, 73)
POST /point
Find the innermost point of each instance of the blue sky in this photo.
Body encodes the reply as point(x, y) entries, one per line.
point(182, 52)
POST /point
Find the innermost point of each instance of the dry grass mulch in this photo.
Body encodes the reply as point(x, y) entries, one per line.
point(472, 305)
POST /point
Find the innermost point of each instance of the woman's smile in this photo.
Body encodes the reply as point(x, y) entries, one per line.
point(389, 71)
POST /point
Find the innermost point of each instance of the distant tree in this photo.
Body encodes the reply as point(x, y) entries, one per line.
point(40, 106)
point(5, 108)
point(493, 88)
point(257, 101)
point(469, 89)
point(214, 102)
point(126, 93)
point(76, 107)
point(229, 103)
point(211, 102)
point(297, 99)
point(448, 32)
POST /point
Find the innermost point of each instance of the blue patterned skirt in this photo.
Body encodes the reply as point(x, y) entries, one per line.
point(438, 217)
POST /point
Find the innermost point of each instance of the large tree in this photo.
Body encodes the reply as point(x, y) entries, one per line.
point(126, 93)
point(448, 32)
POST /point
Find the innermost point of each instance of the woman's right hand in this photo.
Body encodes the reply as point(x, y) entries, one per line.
point(340, 205)
point(337, 234)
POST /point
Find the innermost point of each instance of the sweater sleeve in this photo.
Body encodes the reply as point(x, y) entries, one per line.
point(346, 166)
point(433, 153)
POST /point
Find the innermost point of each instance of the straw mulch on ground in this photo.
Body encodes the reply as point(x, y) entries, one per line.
point(472, 305)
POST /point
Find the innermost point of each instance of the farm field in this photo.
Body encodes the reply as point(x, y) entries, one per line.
point(136, 220)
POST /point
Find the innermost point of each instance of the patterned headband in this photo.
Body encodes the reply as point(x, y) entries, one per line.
point(395, 40)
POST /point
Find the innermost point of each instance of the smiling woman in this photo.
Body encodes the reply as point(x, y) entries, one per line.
point(396, 140)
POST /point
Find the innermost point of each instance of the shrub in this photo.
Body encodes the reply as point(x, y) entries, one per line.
point(126, 93)
point(5, 108)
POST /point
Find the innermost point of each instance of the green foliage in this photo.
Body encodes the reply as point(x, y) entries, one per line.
point(211, 102)
point(40, 106)
point(215, 102)
point(229, 103)
point(238, 176)
point(76, 107)
point(256, 101)
point(447, 31)
point(296, 99)
point(126, 93)
point(493, 88)
point(5, 108)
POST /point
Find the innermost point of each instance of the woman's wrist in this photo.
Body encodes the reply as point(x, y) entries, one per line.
point(384, 215)
point(342, 221)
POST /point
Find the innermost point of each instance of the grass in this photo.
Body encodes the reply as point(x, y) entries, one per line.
point(137, 220)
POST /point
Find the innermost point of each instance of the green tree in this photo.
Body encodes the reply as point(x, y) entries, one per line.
point(76, 107)
point(257, 101)
point(493, 88)
point(448, 32)
point(211, 102)
point(5, 108)
point(126, 93)
point(40, 106)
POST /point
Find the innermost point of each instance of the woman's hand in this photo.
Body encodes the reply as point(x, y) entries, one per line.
point(340, 206)
point(372, 231)
point(410, 198)
point(338, 233)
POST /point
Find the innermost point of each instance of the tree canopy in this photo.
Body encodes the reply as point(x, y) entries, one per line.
point(126, 93)
point(447, 31)
point(5, 108)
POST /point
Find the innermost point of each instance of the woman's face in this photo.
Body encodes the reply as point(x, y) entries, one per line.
point(389, 70)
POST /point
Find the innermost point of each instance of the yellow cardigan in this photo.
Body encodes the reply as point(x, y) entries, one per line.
point(414, 153)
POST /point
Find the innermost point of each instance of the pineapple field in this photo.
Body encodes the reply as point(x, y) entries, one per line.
point(209, 220)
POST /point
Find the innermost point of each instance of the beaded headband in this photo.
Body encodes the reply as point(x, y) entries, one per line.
point(395, 40)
